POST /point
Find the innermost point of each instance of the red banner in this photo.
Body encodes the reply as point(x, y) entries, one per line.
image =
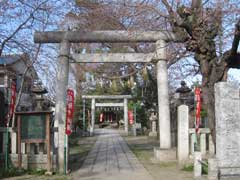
point(130, 117)
point(101, 117)
point(198, 108)
point(70, 111)
point(12, 102)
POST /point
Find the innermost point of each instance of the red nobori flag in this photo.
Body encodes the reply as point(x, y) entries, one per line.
point(198, 108)
point(130, 117)
point(101, 117)
point(12, 102)
point(70, 111)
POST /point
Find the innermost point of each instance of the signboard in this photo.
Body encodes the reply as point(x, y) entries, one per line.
point(33, 127)
point(70, 111)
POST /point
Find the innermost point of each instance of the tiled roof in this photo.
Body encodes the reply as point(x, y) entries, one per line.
point(9, 59)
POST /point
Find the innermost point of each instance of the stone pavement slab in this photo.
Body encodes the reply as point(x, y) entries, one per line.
point(111, 158)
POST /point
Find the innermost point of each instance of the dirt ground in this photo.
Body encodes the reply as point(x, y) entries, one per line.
point(142, 147)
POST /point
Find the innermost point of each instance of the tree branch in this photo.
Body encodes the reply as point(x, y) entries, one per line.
point(236, 39)
point(20, 27)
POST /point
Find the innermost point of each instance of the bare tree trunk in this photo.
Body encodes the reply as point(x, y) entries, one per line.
point(209, 102)
point(19, 95)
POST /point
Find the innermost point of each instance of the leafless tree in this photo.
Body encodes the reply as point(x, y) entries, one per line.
point(209, 32)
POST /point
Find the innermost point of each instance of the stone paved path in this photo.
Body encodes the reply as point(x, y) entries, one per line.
point(112, 159)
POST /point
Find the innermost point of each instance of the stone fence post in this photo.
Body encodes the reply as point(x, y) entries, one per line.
point(227, 110)
point(183, 135)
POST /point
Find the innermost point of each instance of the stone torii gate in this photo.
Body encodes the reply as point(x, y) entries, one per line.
point(67, 37)
point(124, 104)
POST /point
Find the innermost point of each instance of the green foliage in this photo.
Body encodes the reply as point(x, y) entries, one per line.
point(205, 169)
point(203, 113)
point(38, 172)
point(10, 172)
point(188, 168)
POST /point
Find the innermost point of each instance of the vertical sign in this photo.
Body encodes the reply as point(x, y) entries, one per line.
point(70, 111)
point(130, 117)
point(12, 102)
point(198, 108)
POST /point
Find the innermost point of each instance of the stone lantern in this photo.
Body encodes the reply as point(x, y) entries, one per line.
point(39, 91)
point(153, 119)
point(183, 93)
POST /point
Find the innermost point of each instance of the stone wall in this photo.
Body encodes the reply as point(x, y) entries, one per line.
point(227, 106)
point(32, 161)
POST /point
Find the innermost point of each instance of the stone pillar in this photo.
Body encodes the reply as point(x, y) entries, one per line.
point(84, 117)
point(61, 97)
point(154, 126)
point(163, 99)
point(126, 115)
point(192, 143)
point(135, 122)
point(183, 134)
point(227, 107)
point(153, 133)
point(197, 164)
point(41, 148)
point(212, 169)
point(23, 148)
point(211, 147)
point(14, 142)
point(164, 153)
point(203, 144)
point(92, 117)
point(32, 148)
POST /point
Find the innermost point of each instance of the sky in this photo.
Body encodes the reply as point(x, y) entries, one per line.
point(12, 17)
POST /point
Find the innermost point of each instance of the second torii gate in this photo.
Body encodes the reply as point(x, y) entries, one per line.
point(67, 37)
point(124, 104)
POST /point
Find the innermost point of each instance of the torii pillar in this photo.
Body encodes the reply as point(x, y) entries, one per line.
point(164, 152)
point(92, 116)
point(61, 140)
point(125, 102)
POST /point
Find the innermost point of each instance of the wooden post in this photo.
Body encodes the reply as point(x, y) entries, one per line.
point(19, 142)
point(48, 141)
